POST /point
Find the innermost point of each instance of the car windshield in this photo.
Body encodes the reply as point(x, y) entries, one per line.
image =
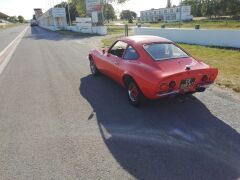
point(164, 51)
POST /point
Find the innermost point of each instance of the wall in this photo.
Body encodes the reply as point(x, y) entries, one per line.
point(54, 19)
point(221, 38)
point(100, 30)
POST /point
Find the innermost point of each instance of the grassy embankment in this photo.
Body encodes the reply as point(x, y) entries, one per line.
point(226, 60)
point(9, 25)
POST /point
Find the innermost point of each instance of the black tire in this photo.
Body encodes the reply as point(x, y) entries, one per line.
point(135, 95)
point(93, 68)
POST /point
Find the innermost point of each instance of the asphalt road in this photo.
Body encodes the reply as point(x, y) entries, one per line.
point(59, 122)
point(9, 34)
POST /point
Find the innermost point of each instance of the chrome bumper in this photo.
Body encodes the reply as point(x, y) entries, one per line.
point(168, 93)
point(199, 88)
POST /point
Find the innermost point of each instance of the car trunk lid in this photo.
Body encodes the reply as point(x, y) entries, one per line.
point(175, 66)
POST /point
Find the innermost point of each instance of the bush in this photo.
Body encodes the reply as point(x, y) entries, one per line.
point(130, 21)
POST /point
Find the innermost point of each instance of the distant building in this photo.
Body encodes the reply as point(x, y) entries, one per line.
point(38, 12)
point(4, 21)
point(53, 19)
point(167, 14)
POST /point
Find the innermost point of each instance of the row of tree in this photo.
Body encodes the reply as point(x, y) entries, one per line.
point(13, 19)
point(214, 8)
point(77, 8)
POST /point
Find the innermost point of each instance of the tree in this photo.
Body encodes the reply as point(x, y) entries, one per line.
point(127, 14)
point(108, 12)
point(13, 19)
point(3, 16)
point(78, 8)
point(134, 15)
point(21, 19)
point(196, 6)
point(214, 7)
point(72, 10)
point(169, 3)
point(233, 7)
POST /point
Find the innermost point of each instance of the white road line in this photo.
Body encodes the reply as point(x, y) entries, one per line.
point(11, 48)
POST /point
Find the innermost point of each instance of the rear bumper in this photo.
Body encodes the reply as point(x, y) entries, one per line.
point(199, 88)
point(168, 93)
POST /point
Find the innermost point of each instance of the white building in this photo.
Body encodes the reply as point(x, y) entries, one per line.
point(167, 14)
point(54, 19)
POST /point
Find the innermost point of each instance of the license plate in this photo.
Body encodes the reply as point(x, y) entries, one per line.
point(187, 84)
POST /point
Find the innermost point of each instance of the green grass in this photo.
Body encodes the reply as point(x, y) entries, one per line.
point(204, 24)
point(116, 30)
point(107, 42)
point(119, 30)
point(9, 25)
point(226, 60)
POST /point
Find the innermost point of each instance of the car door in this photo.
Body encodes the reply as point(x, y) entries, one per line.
point(115, 55)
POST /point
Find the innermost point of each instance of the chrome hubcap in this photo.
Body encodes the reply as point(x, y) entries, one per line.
point(132, 92)
point(92, 67)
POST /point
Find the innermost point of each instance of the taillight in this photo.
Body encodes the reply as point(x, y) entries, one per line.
point(164, 87)
point(212, 77)
point(205, 79)
point(172, 85)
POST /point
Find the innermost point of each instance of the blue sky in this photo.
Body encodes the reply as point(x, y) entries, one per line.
point(25, 7)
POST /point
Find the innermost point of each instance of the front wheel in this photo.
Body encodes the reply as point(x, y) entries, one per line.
point(135, 95)
point(93, 68)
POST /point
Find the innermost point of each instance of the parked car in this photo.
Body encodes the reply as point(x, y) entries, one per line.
point(33, 23)
point(151, 67)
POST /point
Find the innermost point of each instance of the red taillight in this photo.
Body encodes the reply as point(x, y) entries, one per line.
point(164, 87)
point(172, 84)
point(205, 79)
point(212, 77)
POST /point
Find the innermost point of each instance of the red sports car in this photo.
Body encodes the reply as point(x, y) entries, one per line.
point(152, 67)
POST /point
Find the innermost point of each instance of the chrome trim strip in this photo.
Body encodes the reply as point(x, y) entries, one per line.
point(204, 86)
point(168, 93)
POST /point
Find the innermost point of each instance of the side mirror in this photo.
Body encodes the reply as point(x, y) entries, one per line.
point(103, 51)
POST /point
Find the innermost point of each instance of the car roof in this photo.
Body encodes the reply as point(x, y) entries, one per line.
point(144, 39)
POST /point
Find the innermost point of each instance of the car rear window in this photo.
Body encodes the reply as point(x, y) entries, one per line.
point(164, 51)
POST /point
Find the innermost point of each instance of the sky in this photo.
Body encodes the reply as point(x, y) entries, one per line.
point(25, 7)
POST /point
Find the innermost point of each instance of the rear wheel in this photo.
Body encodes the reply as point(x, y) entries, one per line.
point(135, 95)
point(93, 68)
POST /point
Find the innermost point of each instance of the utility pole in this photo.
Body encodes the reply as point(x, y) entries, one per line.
point(70, 23)
point(180, 18)
point(102, 8)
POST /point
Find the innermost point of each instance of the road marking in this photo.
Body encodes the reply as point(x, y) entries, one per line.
point(8, 51)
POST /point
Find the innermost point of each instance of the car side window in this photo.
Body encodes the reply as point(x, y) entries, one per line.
point(131, 54)
point(118, 49)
